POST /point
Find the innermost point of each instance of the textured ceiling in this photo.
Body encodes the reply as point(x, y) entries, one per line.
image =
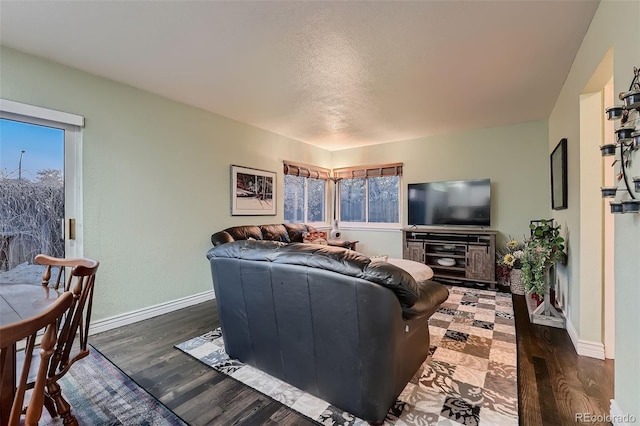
point(332, 74)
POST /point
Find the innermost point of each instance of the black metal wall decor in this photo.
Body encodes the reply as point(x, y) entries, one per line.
point(627, 143)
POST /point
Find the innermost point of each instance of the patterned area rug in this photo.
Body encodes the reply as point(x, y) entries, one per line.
point(469, 378)
point(100, 394)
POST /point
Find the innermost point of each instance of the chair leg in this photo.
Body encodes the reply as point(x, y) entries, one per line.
point(62, 406)
point(50, 405)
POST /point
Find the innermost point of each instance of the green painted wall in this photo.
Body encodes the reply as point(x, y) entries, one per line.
point(156, 179)
point(615, 26)
point(514, 157)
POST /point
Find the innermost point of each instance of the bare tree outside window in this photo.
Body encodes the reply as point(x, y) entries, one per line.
point(353, 198)
point(372, 200)
point(384, 199)
point(316, 200)
point(31, 194)
point(31, 218)
point(304, 199)
point(293, 199)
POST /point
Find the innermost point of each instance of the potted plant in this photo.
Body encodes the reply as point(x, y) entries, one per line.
point(541, 251)
point(510, 264)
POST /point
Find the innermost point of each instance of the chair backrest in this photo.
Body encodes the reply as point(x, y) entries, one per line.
point(75, 327)
point(27, 329)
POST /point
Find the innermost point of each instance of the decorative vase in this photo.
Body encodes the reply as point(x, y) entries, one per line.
point(515, 279)
point(335, 232)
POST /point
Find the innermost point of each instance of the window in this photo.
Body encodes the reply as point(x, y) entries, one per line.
point(305, 193)
point(370, 194)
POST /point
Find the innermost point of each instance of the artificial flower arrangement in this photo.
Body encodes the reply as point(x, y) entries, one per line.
point(512, 254)
point(543, 249)
point(510, 257)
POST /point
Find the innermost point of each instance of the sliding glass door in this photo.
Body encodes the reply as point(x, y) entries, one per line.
point(38, 194)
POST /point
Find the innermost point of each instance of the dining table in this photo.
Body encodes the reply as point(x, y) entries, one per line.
point(18, 301)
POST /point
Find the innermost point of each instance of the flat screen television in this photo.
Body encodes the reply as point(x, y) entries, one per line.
point(454, 203)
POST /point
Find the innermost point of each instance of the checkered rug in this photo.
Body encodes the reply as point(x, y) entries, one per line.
point(469, 378)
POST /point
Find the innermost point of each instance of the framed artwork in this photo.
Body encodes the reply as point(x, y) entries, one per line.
point(253, 192)
point(559, 176)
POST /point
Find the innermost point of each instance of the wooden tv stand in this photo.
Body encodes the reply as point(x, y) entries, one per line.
point(472, 253)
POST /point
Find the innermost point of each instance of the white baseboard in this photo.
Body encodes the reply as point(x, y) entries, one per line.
point(149, 312)
point(584, 347)
point(619, 417)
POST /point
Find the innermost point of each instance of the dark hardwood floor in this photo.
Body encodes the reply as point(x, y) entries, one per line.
point(553, 382)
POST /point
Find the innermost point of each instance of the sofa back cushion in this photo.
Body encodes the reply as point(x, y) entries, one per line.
point(245, 232)
point(286, 233)
point(336, 259)
point(275, 233)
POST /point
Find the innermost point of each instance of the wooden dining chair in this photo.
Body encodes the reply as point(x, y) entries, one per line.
point(74, 329)
point(26, 330)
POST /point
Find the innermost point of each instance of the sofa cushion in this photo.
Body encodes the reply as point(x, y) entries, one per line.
point(245, 232)
point(317, 237)
point(221, 237)
point(296, 231)
point(275, 233)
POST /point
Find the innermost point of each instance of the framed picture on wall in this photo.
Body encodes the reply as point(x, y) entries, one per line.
point(559, 176)
point(253, 192)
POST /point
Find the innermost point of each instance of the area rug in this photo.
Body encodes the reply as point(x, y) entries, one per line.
point(100, 394)
point(469, 378)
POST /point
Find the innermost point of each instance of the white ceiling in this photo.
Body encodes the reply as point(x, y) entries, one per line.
point(332, 74)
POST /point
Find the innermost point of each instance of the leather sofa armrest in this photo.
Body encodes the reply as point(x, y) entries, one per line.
point(432, 295)
point(221, 237)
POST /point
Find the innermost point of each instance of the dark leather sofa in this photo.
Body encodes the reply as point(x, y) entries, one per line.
point(286, 233)
point(324, 319)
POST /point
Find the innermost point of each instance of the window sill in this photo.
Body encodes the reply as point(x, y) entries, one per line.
point(370, 227)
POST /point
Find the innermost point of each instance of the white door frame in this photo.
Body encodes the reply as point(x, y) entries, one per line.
point(72, 125)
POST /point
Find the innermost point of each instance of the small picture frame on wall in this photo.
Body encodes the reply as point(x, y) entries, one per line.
point(253, 192)
point(559, 176)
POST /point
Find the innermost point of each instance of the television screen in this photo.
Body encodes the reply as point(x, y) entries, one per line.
point(462, 202)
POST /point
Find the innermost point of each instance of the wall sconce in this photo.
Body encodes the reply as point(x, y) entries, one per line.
point(631, 98)
point(608, 149)
point(616, 207)
point(609, 191)
point(624, 133)
point(615, 112)
point(631, 206)
point(628, 140)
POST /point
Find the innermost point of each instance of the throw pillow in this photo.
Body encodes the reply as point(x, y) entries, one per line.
point(315, 237)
